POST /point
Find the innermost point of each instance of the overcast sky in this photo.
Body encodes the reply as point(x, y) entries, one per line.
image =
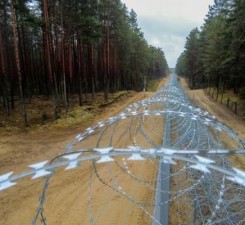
point(166, 23)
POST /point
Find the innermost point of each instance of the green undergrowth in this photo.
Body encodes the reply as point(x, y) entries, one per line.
point(40, 112)
point(75, 116)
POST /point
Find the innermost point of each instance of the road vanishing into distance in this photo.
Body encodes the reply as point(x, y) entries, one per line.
point(162, 160)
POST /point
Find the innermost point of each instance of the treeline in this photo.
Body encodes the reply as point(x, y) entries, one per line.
point(59, 48)
point(215, 55)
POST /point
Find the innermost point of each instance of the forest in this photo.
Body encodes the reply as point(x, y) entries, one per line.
point(66, 48)
point(214, 56)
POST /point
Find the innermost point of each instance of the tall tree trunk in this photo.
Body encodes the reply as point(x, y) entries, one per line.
point(5, 86)
point(27, 68)
point(17, 61)
point(51, 77)
point(92, 69)
point(63, 61)
point(80, 69)
point(8, 62)
point(107, 56)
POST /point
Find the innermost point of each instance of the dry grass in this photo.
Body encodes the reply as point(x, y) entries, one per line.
point(41, 113)
point(227, 94)
point(153, 84)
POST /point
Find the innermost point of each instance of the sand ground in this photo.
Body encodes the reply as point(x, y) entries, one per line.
point(79, 197)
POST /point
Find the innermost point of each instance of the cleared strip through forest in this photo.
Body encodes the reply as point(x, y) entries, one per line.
point(116, 161)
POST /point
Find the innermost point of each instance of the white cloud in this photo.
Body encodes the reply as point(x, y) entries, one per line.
point(166, 23)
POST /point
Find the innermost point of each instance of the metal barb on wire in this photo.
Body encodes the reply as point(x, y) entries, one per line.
point(195, 152)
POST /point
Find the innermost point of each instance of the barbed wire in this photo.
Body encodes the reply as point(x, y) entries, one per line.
point(205, 187)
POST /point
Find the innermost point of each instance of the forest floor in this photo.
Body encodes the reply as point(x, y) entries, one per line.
point(19, 149)
point(40, 112)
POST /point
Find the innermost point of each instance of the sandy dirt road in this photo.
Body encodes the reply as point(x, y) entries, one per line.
point(79, 196)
